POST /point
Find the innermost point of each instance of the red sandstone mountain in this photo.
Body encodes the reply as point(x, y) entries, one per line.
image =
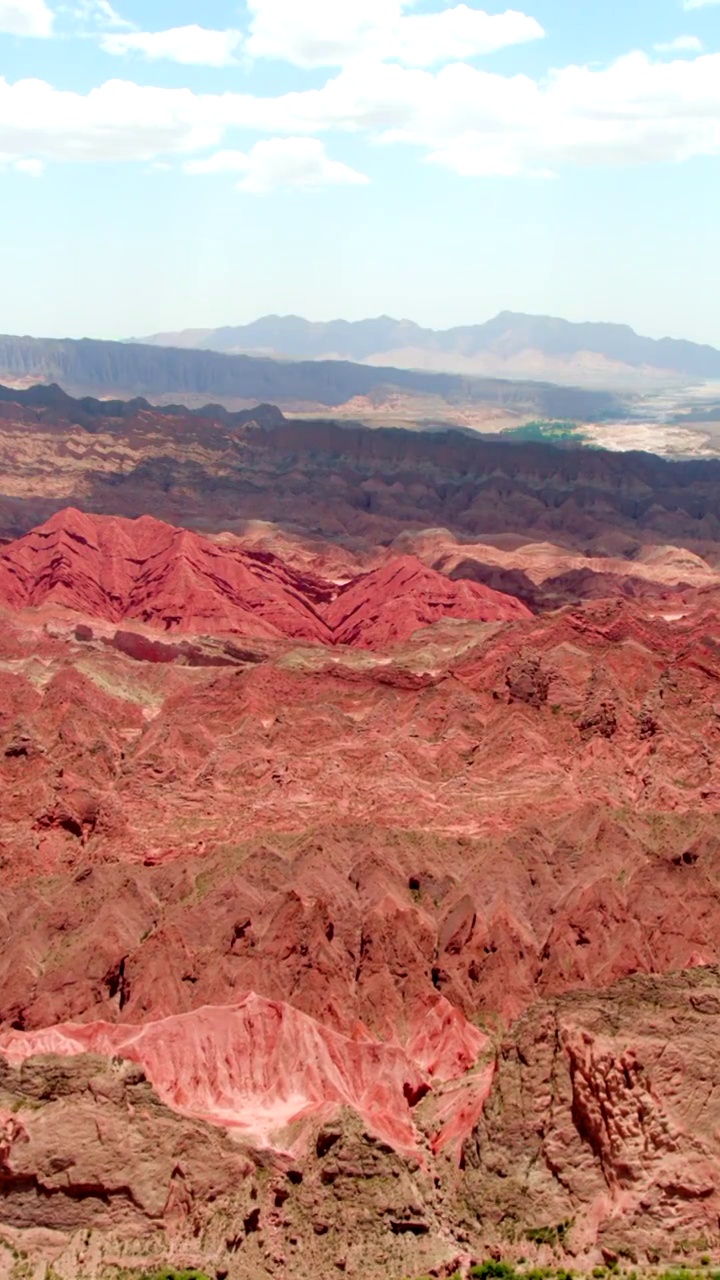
point(330, 904)
point(402, 595)
point(355, 919)
point(170, 578)
point(144, 570)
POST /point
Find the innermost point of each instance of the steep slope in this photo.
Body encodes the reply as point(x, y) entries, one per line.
point(510, 341)
point(582, 1135)
point(387, 605)
point(120, 570)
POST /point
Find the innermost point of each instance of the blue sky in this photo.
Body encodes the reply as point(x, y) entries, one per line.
point(182, 163)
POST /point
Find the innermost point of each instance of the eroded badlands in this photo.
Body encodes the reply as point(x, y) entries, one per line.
point(360, 906)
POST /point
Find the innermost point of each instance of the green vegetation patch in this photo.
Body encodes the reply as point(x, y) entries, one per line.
point(545, 430)
point(497, 1270)
point(170, 1273)
point(493, 1271)
point(549, 1235)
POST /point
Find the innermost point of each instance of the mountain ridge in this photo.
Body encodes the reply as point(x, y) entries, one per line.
point(211, 472)
point(508, 337)
point(89, 366)
point(145, 570)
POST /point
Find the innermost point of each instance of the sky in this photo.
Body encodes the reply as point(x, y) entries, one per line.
point(171, 164)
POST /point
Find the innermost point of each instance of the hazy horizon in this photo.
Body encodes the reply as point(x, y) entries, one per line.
point(332, 319)
point(400, 319)
point(352, 158)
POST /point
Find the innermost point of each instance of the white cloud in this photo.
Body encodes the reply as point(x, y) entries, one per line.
point(681, 44)
point(280, 162)
point(468, 120)
point(316, 33)
point(425, 40)
point(99, 12)
point(699, 4)
point(633, 112)
point(117, 121)
point(25, 18)
point(191, 46)
point(33, 168)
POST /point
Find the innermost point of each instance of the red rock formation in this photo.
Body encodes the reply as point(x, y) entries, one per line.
point(410, 892)
point(147, 571)
point(385, 606)
point(121, 569)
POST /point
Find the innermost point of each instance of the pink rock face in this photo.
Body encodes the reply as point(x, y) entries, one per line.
point(117, 570)
point(256, 1068)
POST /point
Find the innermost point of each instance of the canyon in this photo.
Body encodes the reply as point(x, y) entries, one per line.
point(359, 867)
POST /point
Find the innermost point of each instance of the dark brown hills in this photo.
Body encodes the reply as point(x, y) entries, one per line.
point(212, 470)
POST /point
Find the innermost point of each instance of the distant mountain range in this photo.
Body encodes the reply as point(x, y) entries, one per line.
point(322, 388)
point(512, 345)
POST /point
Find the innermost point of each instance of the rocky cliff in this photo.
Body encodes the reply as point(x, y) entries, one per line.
point(93, 367)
